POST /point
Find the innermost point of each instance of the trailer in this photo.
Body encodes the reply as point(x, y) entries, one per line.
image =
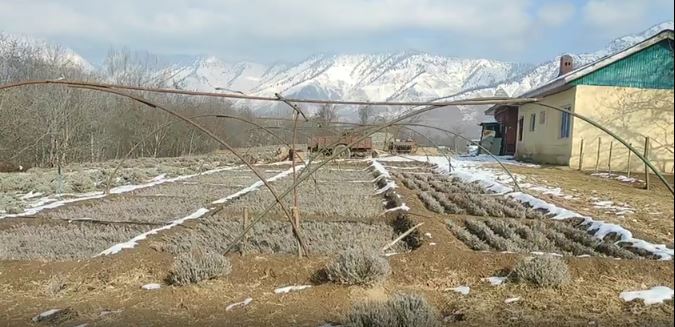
point(331, 144)
point(402, 146)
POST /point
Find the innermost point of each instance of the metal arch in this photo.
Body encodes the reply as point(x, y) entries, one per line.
point(470, 101)
point(296, 232)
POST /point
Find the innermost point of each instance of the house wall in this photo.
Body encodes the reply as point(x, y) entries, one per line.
point(631, 113)
point(544, 144)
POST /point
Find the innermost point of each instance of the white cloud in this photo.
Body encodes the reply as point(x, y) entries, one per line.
point(609, 18)
point(233, 19)
point(555, 13)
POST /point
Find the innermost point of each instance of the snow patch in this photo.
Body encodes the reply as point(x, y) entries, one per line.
point(494, 280)
point(151, 286)
point(512, 300)
point(655, 295)
point(45, 315)
point(293, 288)
point(464, 290)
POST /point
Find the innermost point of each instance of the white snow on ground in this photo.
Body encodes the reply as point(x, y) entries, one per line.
point(51, 202)
point(494, 280)
point(151, 286)
point(469, 169)
point(196, 214)
point(656, 294)
point(512, 300)
point(384, 173)
point(244, 303)
point(464, 290)
point(45, 315)
point(619, 209)
point(293, 288)
point(618, 177)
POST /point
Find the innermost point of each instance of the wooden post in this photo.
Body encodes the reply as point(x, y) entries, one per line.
point(646, 155)
point(609, 163)
point(597, 157)
point(245, 238)
point(296, 221)
point(630, 153)
point(581, 155)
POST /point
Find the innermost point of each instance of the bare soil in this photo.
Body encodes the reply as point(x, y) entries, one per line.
point(106, 291)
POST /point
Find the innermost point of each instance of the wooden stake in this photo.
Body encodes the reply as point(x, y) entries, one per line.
point(630, 153)
point(296, 221)
point(245, 238)
point(597, 157)
point(646, 155)
point(400, 237)
point(581, 155)
point(609, 162)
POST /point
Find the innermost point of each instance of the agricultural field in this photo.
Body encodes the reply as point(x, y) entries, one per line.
point(390, 241)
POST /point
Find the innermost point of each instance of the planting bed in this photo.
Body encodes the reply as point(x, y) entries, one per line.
point(83, 229)
point(344, 192)
point(519, 235)
point(508, 224)
point(46, 240)
point(339, 210)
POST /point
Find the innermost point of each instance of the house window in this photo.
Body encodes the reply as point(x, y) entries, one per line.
point(533, 122)
point(565, 123)
point(542, 117)
point(521, 122)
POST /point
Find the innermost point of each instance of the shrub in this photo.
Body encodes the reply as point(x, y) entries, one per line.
point(358, 267)
point(449, 206)
point(472, 241)
point(198, 265)
point(481, 230)
point(431, 203)
point(489, 204)
point(401, 224)
point(543, 271)
point(463, 201)
point(402, 310)
point(585, 239)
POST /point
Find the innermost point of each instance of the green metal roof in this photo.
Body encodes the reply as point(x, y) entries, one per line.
point(649, 68)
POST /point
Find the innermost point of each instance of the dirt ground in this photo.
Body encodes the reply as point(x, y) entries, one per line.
point(106, 291)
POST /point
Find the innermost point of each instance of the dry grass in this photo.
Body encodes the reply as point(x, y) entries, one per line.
point(332, 193)
point(62, 241)
point(272, 236)
point(543, 271)
point(358, 267)
point(197, 265)
point(129, 208)
point(402, 310)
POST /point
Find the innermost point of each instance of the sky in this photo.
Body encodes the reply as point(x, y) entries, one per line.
point(268, 31)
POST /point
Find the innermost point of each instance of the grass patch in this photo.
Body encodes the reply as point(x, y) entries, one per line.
point(542, 271)
point(358, 267)
point(196, 266)
point(402, 310)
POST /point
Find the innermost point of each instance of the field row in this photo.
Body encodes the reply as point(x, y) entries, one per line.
point(515, 235)
point(447, 195)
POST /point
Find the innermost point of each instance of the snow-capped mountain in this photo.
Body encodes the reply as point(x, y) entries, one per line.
point(376, 77)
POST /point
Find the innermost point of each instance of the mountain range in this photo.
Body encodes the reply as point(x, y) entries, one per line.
point(401, 76)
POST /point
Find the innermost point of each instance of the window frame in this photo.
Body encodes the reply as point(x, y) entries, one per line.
point(533, 121)
point(565, 131)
